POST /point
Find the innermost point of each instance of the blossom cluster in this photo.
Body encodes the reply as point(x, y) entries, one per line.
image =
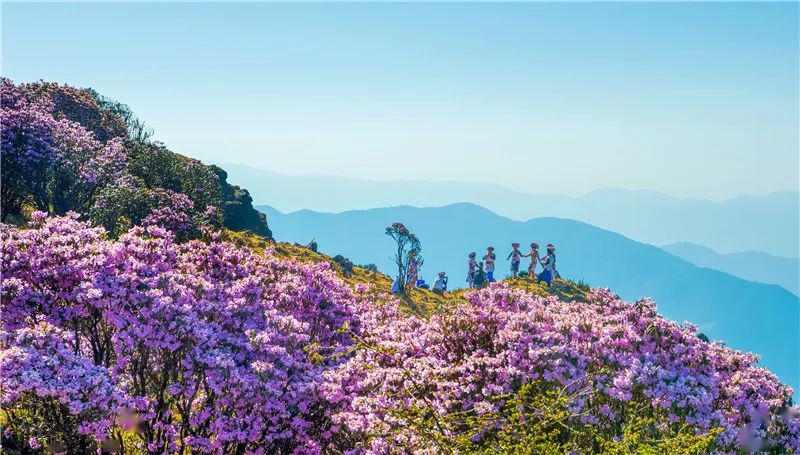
point(62, 152)
point(455, 373)
point(205, 347)
point(50, 161)
point(41, 361)
point(212, 347)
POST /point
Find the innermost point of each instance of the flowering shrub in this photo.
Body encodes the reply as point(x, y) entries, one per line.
point(51, 163)
point(216, 349)
point(54, 390)
point(63, 150)
point(516, 371)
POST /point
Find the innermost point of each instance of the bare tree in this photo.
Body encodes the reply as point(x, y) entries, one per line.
point(406, 242)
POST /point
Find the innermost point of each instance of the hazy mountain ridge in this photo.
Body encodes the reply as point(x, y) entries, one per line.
point(768, 223)
point(745, 314)
point(749, 265)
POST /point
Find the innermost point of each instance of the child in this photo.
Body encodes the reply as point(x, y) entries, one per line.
point(489, 260)
point(516, 256)
point(472, 267)
point(534, 255)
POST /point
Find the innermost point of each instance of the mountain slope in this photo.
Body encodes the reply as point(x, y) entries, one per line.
point(768, 223)
point(751, 316)
point(69, 149)
point(750, 265)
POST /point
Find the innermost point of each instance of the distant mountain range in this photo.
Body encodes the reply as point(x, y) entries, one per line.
point(751, 316)
point(750, 265)
point(768, 223)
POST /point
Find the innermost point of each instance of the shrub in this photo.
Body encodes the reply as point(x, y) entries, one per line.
point(221, 350)
point(538, 375)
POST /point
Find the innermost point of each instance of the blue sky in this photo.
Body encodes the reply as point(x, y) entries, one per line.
point(690, 99)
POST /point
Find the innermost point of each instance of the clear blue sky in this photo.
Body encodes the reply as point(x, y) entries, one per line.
point(688, 99)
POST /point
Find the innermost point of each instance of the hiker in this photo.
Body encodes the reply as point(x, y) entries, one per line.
point(534, 255)
point(516, 256)
point(479, 280)
point(440, 284)
point(549, 265)
point(413, 269)
point(488, 259)
point(472, 268)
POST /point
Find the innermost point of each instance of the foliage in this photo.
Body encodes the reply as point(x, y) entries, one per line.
point(50, 389)
point(536, 374)
point(217, 349)
point(137, 129)
point(407, 245)
point(50, 163)
point(67, 149)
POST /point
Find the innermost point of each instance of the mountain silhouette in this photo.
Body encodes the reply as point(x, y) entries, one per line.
point(750, 265)
point(768, 223)
point(751, 316)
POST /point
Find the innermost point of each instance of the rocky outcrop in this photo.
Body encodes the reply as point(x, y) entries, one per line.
point(237, 207)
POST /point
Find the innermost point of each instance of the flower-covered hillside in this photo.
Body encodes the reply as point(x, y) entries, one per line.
point(204, 346)
point(166, 347)
point(67, 149)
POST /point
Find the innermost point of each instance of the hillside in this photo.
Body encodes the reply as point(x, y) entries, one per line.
point(768, 223)
point(147, 309)
point(743, 314)
point(750, 265)
point(205, 346)
point(68, 149)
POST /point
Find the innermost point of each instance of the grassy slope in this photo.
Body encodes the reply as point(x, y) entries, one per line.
point(422, 302)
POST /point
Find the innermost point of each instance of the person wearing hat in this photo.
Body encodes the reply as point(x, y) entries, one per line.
point(534, 255)
point(440, 284)
point(549, 265)
point(516, 256)
point(489, 259)
point(472, 267)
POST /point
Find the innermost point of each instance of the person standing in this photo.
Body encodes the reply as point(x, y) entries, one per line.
point(516, 256)
point(472, 268)
point(549, 265)
point(488, 260)
point(413, 269)
point(534, 255)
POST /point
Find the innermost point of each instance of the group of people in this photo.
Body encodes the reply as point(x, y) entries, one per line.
point(413, 279)
point(479, 273)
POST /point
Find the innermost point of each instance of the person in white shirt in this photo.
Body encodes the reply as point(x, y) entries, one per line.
point(488, 261)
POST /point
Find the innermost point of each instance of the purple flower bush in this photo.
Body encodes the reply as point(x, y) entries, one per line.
point(50, 162)
point(462, 380)
point(213, 347)
point(62, 152)
point(43, 373)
